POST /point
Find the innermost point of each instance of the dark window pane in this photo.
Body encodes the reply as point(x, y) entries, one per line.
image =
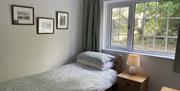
point(139, 11)
point(138, 27)
point(150, 10)
point(123, 27)
point(171, 45)
point(174, 26)
point(124, 13)
point(119, 40)
point(174, 6)
point(115, 13)
point(161, 27)
point(120, 13)
point(137, 42)
point(119, 26)
point(148, 43)
point(162, 9)
point(115, 37)
point(138, 32)
point(159, 44)
point(149, 27)
point(116, 24)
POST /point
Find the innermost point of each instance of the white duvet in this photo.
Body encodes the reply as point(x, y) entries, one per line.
point(71, 77)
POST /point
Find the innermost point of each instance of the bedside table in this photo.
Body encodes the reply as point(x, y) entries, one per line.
point(127, 82)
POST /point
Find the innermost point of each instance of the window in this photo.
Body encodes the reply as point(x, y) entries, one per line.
point(156, 26)
point(148, 27)
point(119, 26)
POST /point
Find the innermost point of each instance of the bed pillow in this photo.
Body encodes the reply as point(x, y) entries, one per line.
point(106, 66)
point(95, 58)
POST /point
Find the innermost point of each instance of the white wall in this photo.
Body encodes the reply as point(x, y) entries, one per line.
point(1, 39)
point(24, 53)
point(159, 70)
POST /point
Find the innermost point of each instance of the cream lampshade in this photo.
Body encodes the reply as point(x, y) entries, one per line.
point(133, 62)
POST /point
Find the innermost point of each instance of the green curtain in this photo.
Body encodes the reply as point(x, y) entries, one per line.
point(91, 25)
point(177, 57)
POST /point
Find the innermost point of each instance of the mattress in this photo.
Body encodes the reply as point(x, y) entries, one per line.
point(71, 77)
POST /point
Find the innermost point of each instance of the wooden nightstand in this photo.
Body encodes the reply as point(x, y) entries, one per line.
point(126, 82)
point(168, 89)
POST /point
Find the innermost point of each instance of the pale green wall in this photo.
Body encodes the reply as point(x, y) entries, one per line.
point(24, 53)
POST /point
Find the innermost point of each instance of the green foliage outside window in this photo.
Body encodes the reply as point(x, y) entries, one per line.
point(158, 22)
point(156, 26)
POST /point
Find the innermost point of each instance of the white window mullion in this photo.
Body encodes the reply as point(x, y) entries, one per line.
point(130, 26)
point(144, 19)
point(154, 33)
point(119, 24)
point(166, 39)
point(155, 19)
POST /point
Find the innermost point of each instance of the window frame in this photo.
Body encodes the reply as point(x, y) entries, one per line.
point(130, 37)
point(130, 25)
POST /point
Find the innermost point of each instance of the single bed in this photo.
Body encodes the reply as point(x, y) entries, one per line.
point(71, 77)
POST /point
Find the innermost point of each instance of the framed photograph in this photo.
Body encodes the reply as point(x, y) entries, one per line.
point(22, 15)
point(45, 25)
point(62, 20)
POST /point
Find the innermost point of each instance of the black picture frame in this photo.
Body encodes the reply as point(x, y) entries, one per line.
point(62, 16)
point(20, 17)
point(46, 25)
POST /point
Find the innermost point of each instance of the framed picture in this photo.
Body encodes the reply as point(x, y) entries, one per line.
point(22, 15)
point(45, 25)
point(62, 20)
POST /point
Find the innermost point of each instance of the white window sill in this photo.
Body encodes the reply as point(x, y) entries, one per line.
point(141, 53)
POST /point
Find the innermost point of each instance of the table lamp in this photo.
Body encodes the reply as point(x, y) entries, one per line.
point(133, 62)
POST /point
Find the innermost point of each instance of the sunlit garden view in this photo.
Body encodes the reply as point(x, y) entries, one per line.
point(156, 26)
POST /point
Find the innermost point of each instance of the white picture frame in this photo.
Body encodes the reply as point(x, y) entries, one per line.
point(45, 25)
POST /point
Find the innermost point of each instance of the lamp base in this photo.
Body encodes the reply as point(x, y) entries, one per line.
point(132, 70)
